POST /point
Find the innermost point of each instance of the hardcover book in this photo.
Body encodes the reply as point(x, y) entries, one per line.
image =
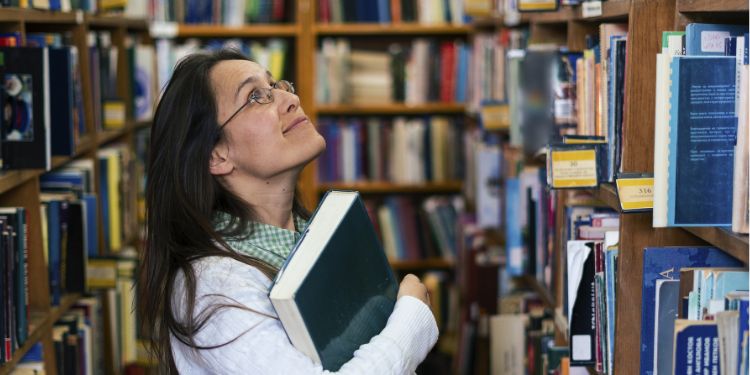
point(26, 116)
point(337, 270)
point(702, 135)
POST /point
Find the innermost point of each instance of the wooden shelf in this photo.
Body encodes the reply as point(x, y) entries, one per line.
point(107, 136)
point(37, 16)
point(732, 243)
point(367, 29)
point(392, 109)
point(141, 124)
point(391, 188)
point(612, 9)
point(421, 265)
point(540, 289)
point(11, 179)
point(713, 6)
point(562, 16)
point(607, 194)
point(40, 325)
point(219, 31)
point(85, 144)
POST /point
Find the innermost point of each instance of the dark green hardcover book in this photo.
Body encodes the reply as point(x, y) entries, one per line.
point(337, 290)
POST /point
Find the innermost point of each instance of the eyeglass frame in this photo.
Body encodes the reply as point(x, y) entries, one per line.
point(254, 98)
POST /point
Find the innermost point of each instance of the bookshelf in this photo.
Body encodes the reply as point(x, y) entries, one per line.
point(396, 29)
point(646, 20)
point(390, 109)
point(22, 187)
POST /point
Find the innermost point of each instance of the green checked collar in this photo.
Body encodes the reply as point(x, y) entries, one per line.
point(264, 242)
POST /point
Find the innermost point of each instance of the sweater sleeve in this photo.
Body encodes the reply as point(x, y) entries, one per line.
point(254, 341)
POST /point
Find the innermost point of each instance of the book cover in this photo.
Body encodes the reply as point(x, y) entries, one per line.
point(26, 116)
point(62, 107)
point(339, 247)
point(708, 39)
point(696, 347)
point(581, 309)
point(665, 312)
point(701, 141)
point(665, 263)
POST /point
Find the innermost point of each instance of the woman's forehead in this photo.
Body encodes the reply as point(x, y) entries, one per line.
point(229, 73)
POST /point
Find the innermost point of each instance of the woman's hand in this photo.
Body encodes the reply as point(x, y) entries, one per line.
point(411, 286)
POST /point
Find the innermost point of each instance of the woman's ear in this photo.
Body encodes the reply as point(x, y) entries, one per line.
point(219, 164)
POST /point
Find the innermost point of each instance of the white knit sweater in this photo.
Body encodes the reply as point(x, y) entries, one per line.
point(260, 344)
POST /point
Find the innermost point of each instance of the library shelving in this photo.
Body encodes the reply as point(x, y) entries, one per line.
point(390, 109)
point(22, 187)
point(646, 21)
point(366, 29)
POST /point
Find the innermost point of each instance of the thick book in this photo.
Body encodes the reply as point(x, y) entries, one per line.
point(696, 347)
point(26, 119)
point(702, 135)
point(706, 39)
point(336, 290)
point(666, 263)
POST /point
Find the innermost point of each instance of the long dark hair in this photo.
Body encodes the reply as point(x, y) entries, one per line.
point(182, 197)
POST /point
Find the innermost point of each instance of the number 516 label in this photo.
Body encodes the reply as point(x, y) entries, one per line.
point(636, 193)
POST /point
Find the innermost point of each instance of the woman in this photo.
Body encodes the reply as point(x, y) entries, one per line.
point(227, 146)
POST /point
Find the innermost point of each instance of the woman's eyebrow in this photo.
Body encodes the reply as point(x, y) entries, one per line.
point(248, 80)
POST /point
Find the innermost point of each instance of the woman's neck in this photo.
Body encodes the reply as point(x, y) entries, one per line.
point(271, 200)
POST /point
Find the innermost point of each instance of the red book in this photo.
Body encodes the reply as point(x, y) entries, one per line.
point(447, 71)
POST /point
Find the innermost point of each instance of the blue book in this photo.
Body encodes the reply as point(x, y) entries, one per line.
point(337, 270)
point(54, 244)
point(61, 101)
point(743, 332)
point(16, 218)
point(91, 224)
point(707, 39)
point(665, 263)
point(667, 300)
point(610, 269)
point(696, 347)
point(701, 141)
point(513, 237)
point(104, 199)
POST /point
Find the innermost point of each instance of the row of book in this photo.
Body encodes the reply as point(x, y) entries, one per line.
point(131, 8)
point(427, 70)
point(412, 230)
point(701, 128)
point(392, 11)
point(99, 325)
point(43, 100)
point(272, 54)
point(400, 150)
point(223, 12)
point(14, 309)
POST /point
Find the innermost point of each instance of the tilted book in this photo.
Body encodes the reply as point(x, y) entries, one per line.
point(336, 290)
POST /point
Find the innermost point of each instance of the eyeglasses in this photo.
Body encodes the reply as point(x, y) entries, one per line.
point(262, 95)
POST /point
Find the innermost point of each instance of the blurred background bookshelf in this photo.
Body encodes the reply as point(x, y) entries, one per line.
point(425, 109)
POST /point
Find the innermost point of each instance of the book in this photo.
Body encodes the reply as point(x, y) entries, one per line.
point(696, 347)
point(665, 314)
point(26, 119)
point(708, 39)
point(666, 263)
point(702, 130)
point(338, 247)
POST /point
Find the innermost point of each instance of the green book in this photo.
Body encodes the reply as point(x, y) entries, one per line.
point(336, 290)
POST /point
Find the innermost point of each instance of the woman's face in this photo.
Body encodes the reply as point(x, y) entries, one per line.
point(262, 140)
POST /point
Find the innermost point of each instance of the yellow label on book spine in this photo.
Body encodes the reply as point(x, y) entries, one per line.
point(495, 117)
point(636, 193)
point(573, 169)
